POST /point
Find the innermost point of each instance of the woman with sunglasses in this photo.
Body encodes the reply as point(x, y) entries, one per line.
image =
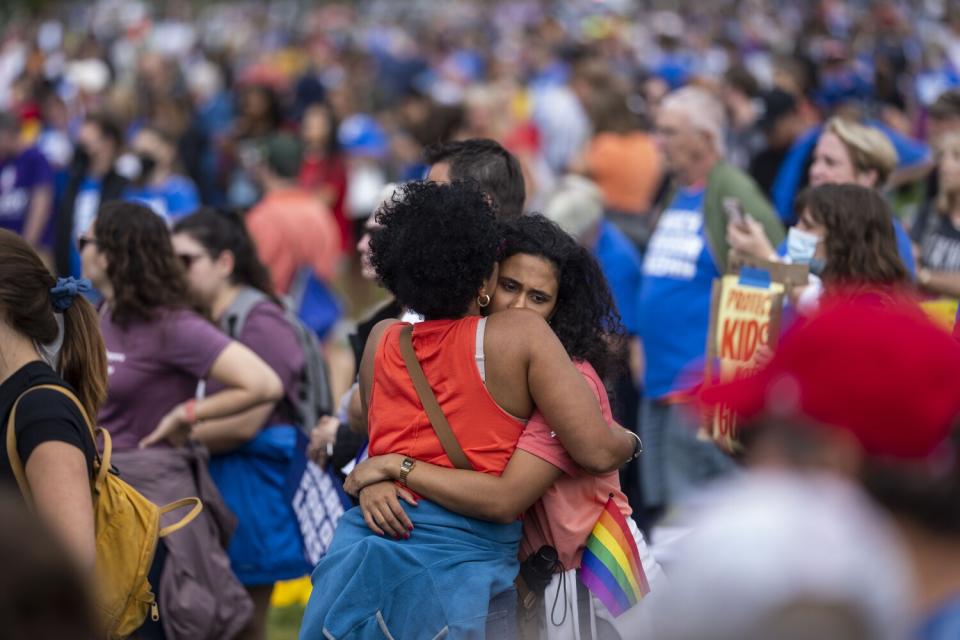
point(252, 451)
point(158, 349)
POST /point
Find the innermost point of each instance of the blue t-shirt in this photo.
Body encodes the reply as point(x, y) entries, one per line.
point(19, 176)
point(905, 248)
point(175, 198)
point(620, 262)
point(674, 302)
point(943, 624)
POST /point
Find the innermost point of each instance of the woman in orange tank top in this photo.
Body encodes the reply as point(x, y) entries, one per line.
point(543, 269)
point(437, 254)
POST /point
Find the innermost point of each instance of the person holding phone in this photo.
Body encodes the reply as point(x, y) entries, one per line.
point(687, 251)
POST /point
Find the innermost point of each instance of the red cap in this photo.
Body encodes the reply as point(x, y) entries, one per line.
point(884, 373)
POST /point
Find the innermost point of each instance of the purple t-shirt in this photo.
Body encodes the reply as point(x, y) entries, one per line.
point(267, 333)
point(152, 367)
point(19, 176)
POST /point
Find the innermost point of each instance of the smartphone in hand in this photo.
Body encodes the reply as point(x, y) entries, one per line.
point(734, 211)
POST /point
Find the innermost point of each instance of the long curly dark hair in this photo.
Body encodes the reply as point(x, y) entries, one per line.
point(585, 317)
point(861, 245)
point(437, 245)
point(143, 270)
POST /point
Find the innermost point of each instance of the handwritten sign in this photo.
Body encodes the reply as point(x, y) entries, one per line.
point(743, 317)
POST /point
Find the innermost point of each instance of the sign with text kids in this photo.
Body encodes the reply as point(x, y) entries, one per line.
point(743, 317)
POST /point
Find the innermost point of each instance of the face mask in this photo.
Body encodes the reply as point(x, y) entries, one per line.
point(136, 168)
point(147, 164)
point(81, 157)
point(801, 245)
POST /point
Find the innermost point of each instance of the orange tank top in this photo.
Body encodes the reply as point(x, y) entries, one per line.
point(396, 419)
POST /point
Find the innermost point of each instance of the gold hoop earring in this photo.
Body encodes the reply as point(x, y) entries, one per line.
point(483, 300)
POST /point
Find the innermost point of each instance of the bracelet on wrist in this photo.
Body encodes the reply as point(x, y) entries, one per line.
point(637, 446)
point(190, 411)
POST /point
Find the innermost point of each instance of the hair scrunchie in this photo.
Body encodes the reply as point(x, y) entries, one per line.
point(63, 294)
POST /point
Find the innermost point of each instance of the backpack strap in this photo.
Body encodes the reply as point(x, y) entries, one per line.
point(16, 464)
point(235, 317)
point(316, 398)
point(429, 401)
point(185, 520)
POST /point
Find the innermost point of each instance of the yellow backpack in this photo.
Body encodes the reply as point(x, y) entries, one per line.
point(127, 527)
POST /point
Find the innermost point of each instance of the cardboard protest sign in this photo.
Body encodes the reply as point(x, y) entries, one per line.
point(744, 315)
point(789, 275)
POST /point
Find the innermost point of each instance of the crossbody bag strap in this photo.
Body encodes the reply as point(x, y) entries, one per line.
point(429, 401)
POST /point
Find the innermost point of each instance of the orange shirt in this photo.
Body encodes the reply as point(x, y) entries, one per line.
point(627, 168)
point(565, 515)
point(292, 228)
point(396, 419)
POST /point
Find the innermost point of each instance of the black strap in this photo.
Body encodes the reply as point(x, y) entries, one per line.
point(429, 401)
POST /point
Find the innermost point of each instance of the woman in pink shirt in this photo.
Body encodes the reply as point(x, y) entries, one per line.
point(546, 271)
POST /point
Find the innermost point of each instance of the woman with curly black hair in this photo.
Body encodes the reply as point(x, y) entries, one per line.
point(545, 270)
point(437, 254)
point(158, 349)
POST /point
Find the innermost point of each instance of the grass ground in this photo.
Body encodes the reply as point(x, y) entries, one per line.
point(284, 622)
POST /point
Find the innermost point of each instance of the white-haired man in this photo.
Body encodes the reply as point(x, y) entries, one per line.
point(687, 250)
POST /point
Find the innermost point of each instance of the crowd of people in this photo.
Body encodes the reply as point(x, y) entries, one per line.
point(416, 297)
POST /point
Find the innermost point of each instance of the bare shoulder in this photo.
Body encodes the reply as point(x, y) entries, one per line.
point(373, 343)
point(514, 327)
point(367, 361)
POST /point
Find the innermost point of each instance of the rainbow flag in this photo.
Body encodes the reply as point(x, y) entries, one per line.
point(611, 566)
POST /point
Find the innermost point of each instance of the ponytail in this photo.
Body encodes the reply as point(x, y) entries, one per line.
point(83, 357)
point(26, 305)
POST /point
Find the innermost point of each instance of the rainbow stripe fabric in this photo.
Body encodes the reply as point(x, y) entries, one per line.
point(611, 567)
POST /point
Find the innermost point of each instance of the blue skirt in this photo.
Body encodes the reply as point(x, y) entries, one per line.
point(254, 480)
point(442, 577)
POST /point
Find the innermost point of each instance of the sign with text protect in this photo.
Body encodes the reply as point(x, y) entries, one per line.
point(745, 314)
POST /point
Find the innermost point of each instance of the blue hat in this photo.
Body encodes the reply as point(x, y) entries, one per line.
point(362, 135)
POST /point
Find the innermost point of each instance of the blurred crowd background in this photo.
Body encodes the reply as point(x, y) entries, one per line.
point(316, 108)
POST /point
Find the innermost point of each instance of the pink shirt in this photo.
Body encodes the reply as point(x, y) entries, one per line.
point(564, 517)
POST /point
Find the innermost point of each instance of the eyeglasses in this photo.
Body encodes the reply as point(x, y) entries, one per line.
point(83, 241)
point(187, 259)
